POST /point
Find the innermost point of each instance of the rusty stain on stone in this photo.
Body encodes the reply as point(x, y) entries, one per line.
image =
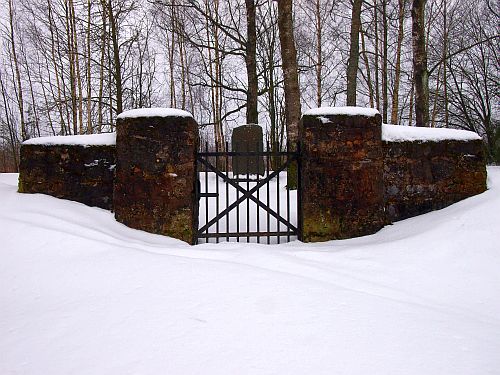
point(162, 198)
point(342, 194)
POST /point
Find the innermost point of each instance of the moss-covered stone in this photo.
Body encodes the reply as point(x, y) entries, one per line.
point(318, 227)
point(156, 175)
point(341, 177)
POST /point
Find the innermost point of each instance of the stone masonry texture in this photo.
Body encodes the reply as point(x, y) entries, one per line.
point(352, 182)
point(341, 177)
point(421, 177)
point(79, 173)
point(247, 138)
point(155, 175)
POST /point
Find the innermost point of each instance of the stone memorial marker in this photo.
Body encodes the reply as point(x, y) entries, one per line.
point(247, 138)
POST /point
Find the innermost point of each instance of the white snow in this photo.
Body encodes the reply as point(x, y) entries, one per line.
point(154, 112)
point(350, 111)
point(83, 294)
point(103, 139)
point(399, 133)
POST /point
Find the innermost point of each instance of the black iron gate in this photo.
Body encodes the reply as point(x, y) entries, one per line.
point(255, 206)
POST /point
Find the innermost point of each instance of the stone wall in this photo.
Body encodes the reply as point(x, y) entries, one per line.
point(75, 172)
point(356, 175)
point(156, 173)
point(341, 175)
point(423, 176)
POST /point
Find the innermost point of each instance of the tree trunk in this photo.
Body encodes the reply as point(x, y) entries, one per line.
point(171, 57)
point(412, 95)
point(57, 99)
point(24, 135)
point(12, 132)
point(251, 64)
point(72, 70)
point(377, 54)
point(420, 73)
point(353, 62)
point(436, 96)
point(104, 43)
point(319, 53)
point(44, 91)
point(36, 130)
point(183, 58)
point(213, 83)
point(291, 81)
point(116, 59)
point(218, 77)
point(290, 69)
point(77, 66)
point(397, 74)
point(445, 49)
point(89, 76)
point(385, 27)
point(367, 64)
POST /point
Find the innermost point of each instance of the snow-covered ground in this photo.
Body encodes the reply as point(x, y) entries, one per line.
point(83, 294)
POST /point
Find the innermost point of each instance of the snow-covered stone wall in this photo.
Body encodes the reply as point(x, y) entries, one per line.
point(155, 179)
point(341, 174)
point(425, 174)
point(356, 174)
point(78, 168)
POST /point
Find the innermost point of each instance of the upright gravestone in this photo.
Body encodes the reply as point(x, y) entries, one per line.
point(247, 138)
point(155, 179)
point(341, 173)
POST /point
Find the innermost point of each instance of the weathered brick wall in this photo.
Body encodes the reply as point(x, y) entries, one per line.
point(75, 172)
point(423, 176)
point(341, 177)
point(156, 176)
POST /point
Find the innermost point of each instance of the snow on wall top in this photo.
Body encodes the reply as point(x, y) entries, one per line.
point(154, 112)
point(104, 139)
point(399, 133)
point(350, 111)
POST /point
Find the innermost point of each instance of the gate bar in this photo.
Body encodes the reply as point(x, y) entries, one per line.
point(227, 191)
point(206, 188)
point(267, 186)
point(217, 188)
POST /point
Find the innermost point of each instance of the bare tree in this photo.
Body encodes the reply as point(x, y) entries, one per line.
point(420, 72)
point(251, 64)
point(20, 100)
point(397, 73)
point(291, 80)
point(352, 64)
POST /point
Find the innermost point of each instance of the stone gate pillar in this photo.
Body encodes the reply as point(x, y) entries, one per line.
point(155, 178)
point(341, 174)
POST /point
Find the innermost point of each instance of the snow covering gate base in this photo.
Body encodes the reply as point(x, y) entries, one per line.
point(355, 176)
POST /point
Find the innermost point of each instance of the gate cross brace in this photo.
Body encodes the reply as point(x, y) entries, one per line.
point(247, 194)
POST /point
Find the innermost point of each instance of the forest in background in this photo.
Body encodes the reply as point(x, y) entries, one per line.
point(71, 66)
